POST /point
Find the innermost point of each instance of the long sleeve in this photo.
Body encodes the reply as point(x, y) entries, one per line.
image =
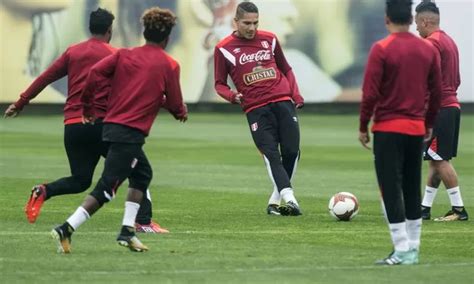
point(55, 72)
point(435, 89)
point(285, 68)
point(174, 98)
point(99, 78)
point(295, 91)
point(371, 86)
point(220, 77)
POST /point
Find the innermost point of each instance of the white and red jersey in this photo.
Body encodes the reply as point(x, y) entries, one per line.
point(258, 69)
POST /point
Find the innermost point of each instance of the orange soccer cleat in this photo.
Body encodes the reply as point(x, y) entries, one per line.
point(37, 198)
point(153, 228)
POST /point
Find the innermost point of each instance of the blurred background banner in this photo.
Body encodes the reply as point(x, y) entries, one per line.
point(325, 41)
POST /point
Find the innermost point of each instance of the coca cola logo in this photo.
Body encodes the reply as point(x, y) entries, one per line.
point(257, 56)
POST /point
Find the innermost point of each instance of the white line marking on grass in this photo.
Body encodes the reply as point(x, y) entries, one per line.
point(316, 231)
point(240, 270)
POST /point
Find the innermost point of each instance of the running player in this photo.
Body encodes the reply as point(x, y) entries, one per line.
point(140, 78)
point(83, 143)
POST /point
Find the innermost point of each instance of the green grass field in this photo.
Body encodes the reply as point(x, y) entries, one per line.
point(210, 190)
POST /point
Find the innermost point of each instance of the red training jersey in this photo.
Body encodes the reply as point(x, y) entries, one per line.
point(75, 63)
point(402, 81)
point(140, 78)
point(258, 69)
point(449, 66)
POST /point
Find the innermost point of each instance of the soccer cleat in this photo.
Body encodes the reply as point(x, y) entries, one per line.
point(153, 228)
point(63, 240)
point(132, 242)
point(272, 209)
point(400, 258)
point(290, 209)
point(454, 215)
point(425, 212)
point(37, 198)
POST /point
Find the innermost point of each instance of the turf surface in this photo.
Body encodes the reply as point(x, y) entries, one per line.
point(210, 190)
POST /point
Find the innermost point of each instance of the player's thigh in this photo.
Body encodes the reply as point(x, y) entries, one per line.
point(142, 174)
point(82, 149)
point(446, 132)
point(288, 126)
point(121, 160)
point(263, 128)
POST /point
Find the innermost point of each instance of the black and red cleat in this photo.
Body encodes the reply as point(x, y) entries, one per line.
point(37, 198)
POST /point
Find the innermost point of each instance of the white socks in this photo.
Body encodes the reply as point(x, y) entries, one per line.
point(414, 233)
point(287, 195)
point(398, 232)
point(78, 218)
point(131, 211)
point(430, 194)
point(275, 198)
point(455, 197)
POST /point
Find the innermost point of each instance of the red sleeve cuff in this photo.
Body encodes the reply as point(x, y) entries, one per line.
point(21, 103)
point(363, 127)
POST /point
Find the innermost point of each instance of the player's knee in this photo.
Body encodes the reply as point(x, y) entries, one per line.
point(290, 154)
point(105, 189)
point(141, 182)
point(84, 182)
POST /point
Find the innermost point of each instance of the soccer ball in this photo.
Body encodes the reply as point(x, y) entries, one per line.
point(343, 206)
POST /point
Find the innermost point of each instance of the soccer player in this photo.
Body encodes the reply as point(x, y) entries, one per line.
point(83, 143)
point(443, 146)
point(267, 91)
point(402, 74)
point(141, 79)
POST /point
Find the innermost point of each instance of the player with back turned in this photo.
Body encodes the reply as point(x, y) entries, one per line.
point(142, 79)
point(83, 143)
point(268, 94)
point(402, 91)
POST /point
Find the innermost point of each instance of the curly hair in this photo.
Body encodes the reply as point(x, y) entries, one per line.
point(158, 24)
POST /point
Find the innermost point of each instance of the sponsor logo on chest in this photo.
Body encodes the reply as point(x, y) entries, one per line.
point(259, 74)
point(260, 55)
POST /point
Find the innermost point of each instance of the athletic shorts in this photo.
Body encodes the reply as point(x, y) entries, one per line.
point(443, 146)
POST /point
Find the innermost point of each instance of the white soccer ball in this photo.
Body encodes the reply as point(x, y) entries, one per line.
point(343, 206)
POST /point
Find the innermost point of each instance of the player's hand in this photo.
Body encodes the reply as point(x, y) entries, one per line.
point(88, 119)
point(428, 135)
point(11, 111)
point(183, 118)
point(299, 105)
point(364, 139)
point(239, 98)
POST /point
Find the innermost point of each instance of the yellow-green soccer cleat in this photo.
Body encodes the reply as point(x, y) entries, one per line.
point(63, 240)
point(132, 242)
point(454, 215)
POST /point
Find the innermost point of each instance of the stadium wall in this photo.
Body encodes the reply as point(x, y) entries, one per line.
point(349, 108)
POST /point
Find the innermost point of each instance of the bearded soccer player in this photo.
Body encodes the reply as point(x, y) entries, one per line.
point(402, 77)
point(141, 78)
point(83, 143)
point(443, 146)
point(266, 90)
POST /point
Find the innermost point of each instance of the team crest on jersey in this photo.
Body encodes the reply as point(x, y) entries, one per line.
point(258, 74)
point(254, 126)
point(265, 44)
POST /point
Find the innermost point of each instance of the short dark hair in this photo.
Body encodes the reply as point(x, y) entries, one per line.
point(399, 11)
point(427, 6)
point(100, 21)
point(158, 24)
point(245, 7)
